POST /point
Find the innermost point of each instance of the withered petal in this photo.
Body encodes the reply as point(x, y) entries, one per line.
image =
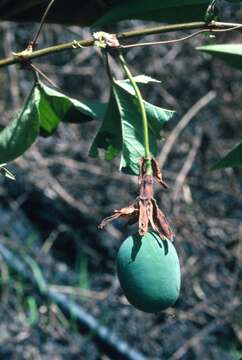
point(161, 222)
point(149, 209)
point(126, 212)
point(154, 226)
point(150, 213)
point(146, 187)
point(157, 173)
point(143, 218)
point(144, 209)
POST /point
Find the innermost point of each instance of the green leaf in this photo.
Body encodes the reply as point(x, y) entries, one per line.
point(140, 79)
point(230, 53)
point(122, 130)
point(55, 107)
point(132, 129)
point(109, 136)
point(156, 10)
point(21, 133)
point(232, 159)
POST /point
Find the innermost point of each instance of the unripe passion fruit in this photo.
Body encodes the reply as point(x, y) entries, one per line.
point(149, 272)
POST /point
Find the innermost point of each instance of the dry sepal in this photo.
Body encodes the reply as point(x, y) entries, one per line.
point(144, 209)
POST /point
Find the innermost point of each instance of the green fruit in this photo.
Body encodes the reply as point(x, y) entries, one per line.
point(149, 272)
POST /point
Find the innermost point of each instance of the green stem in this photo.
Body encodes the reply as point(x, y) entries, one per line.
point(121, 36)
point(142, 111)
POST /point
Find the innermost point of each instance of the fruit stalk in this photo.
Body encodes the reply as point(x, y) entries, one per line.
point(142, 111)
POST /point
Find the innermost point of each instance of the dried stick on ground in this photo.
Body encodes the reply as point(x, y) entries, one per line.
point(194, 340)
point(56, 186)
point(187, 165)
point(182, 124)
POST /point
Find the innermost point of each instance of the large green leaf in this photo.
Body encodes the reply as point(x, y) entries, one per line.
point(21, 133)
point(158, 10)
point(232, 159)
point(230, 53)
point(109, 136)
point(55, 107)
point(132, 130)
point(122, 130)
point(43, 111)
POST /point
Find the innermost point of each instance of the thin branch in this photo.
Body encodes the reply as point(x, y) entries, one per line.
point(201, 103)
point(187, 165)
point(38, 71)
point(174, 41)
point(197, 338)
point(57, 187)
point(42, 21)
point(121, 36)
point(106, 60)
point(166, 42)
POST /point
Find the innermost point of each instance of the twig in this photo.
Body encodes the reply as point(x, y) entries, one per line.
point(42, 21)
point(194, 340)
point(182, 124)
point(52, 237)
point(121, 36)
point(71, 290)
point(166, 42)
point(175, 41)
point(61, 191)
point(40, 72)
point(187, 165)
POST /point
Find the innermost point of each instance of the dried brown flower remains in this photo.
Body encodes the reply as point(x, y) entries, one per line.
point(144, 209)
